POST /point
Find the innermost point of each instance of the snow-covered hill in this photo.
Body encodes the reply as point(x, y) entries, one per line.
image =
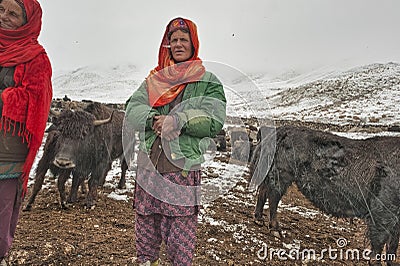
point(102, 84)
point(368, 94)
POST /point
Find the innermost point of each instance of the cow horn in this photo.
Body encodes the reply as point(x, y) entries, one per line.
point(104, 121)
point(54, 112)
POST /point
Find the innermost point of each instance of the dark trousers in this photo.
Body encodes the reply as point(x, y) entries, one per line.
point(9, 213)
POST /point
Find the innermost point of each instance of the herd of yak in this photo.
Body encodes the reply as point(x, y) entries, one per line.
point(342, 177)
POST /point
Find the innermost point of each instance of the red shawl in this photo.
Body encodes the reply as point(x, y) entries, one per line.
point(168, 79)
point(28, 102)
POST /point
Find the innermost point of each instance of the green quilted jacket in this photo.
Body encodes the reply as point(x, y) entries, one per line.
point(201, 113)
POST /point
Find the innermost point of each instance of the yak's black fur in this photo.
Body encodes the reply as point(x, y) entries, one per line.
point(341, 176)
point(89, 148)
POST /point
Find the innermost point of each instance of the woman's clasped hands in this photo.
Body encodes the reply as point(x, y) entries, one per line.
point(165, 127)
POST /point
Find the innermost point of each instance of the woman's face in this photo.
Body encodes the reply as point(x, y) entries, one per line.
point(181, 46)
point(11, 15)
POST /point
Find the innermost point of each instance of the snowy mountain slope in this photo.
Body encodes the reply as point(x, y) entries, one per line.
point(368, 94)
point(102, 84)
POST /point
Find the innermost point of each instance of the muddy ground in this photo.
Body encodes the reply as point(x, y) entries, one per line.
point(49, 235)
point(227, 234)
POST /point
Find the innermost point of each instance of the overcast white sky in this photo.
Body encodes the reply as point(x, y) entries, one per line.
point(253, 36)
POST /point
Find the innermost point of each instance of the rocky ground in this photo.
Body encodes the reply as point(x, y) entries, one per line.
point(48, 235)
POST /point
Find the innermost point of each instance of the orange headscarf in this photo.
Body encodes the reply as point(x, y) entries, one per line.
point(168, 79)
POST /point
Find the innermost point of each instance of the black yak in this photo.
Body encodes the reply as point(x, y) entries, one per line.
point(46, 163)
point(83, 143)
point(341, 176)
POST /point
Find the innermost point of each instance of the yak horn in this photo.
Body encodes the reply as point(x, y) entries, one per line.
point(54, 112)
point(104, 121)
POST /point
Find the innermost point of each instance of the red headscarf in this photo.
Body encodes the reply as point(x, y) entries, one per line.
point(28, 102)
point(21, 45)
point(168, 79)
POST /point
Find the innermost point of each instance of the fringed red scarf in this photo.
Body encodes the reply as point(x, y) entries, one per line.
point(168, 79)
point(28, 102)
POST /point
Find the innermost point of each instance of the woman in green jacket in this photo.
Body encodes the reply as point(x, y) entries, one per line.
point(176, 111)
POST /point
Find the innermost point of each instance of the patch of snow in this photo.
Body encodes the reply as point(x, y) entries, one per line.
point(115, 196)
